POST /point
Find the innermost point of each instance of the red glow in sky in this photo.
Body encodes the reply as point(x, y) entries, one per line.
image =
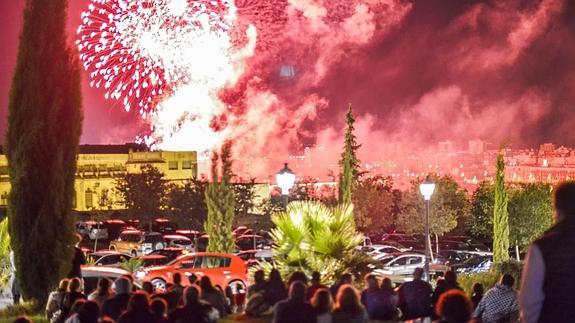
point(416, 71)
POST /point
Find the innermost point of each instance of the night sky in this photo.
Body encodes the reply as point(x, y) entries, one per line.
point(428, 70)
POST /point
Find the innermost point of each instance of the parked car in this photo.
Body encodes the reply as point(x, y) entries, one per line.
point(192, 234)
point(163, 256)
point(379, 250)
point(252, 257)
point(179, 241)
point(108, 258)
point(401, 265)
point(92, 230)
point(164, 226)
point(138, 243)
point(453, 257)
point(91, 275)
point(251, 241)
point(476, 264)
point(223, 269)
point(115, 227)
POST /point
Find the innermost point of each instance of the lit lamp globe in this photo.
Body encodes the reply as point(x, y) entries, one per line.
point(285, 179)
point(426, 189)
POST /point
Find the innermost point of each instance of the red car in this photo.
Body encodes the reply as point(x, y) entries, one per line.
point(223, 269)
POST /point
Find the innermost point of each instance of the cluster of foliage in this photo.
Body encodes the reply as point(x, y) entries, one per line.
point(490, 278)
point(44, 127)
point(449, 206)
point(186, 202)
point(5, 266)
point(220, 200)
point(529, 208)
point(144, 193)
point(375, 204)
point(310, 236)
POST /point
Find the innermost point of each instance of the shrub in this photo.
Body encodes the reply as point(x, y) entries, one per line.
point(489, 279)
point(313, 237)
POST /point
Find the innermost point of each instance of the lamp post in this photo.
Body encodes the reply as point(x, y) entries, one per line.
point(426, 189)
point(285, 179)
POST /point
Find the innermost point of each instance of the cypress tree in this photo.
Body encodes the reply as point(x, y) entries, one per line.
point(500, 215)
point(220, 200)
point(349, 163)
point(44, 126)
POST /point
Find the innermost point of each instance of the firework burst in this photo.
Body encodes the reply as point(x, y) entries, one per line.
point(143, 52)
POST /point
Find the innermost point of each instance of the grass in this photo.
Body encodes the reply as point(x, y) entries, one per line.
point(12, 312)
point(31, 310)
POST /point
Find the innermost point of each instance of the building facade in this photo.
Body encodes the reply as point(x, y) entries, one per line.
point(100, 166)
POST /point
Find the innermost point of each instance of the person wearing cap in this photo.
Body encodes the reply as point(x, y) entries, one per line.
point(415, 297)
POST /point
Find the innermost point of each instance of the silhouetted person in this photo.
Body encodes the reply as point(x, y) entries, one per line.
point(275, 289)
point(114, 306)
point(477, 294)
point(322, 303)
point(348, 308)
point(159, 309)
point(56, 298)
point(138, 310)
point(315, 284)
point(500, 303)
point(547, 292)
point(213, 296)
point(454, 306)
point(103, 292)
point(295, 308)
point(344, 279)
point(194, 310)
point(259, 284)
point(78, 260)
point(449, 283)
point(415, 297)
point(72, 295)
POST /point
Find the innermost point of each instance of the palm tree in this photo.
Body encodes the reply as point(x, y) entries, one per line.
point(310, 236)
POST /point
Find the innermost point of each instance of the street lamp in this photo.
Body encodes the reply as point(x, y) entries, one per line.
point(285, 179)
point(426, 189)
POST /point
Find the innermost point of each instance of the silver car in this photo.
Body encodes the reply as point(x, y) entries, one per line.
point(404, 265)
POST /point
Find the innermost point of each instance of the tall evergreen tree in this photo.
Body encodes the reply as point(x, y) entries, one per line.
point(500, 215)
point(220, 200)
point(44, 127)
point(349, 163)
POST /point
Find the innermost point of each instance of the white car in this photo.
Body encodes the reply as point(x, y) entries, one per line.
point(179, 241)
point(376, 251)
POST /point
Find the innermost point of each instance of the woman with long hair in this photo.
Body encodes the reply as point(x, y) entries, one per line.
point(348, 308)
point(73, 294)
point(102, 293)
point(323, 305)
point(275, 289)
point(56, 298)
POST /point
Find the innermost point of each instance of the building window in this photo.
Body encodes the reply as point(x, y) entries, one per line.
point(89, 199)
point(187, 164)
point(172, 165)
point(4, 199)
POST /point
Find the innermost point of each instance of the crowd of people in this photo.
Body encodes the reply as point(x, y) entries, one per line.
point(298, 300)
point(546, 293)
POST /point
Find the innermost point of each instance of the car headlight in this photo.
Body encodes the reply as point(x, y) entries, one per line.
point(140, 274)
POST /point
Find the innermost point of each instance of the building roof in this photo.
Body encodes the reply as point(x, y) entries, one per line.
point(112, 149)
